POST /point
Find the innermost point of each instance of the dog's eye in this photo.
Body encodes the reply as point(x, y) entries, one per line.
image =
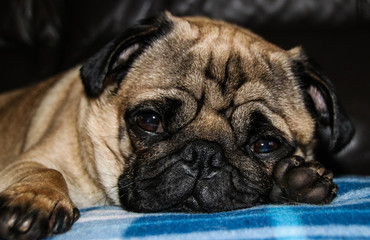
point(265, 145)
point(149, 121)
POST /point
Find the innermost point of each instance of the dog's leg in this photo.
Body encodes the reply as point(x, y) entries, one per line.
point(297, 181)
point(35, 203)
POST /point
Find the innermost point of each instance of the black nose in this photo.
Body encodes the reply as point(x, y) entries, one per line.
point(206, 157)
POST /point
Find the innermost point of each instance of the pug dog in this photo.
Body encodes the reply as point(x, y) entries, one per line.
point(175, 115)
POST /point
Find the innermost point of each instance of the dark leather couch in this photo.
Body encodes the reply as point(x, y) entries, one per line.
point(39, 38)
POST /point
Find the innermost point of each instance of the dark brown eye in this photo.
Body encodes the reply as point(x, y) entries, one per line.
point(265, 145)
point(149, 121)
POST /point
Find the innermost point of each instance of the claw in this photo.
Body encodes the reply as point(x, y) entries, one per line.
point(25, 225)
point(329, 176)
point(11, 221)
point(76, 214)
point(296, 162)
point(321, 171)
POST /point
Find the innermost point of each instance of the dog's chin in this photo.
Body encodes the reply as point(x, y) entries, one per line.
point(182, 187)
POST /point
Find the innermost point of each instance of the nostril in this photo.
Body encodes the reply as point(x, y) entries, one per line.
point(189, 154)
point(217, 160)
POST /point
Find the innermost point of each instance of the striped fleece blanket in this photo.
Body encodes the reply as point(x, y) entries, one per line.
point(347, 217)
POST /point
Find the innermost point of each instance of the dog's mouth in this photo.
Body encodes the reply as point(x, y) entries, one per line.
point(203, 182)
point(223, 192)
point(212, 197)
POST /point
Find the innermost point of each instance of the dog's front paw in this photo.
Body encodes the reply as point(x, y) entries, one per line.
point(305, 182)
point(32, 213)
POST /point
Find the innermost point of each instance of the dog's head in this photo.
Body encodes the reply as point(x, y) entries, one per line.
point(202, 111)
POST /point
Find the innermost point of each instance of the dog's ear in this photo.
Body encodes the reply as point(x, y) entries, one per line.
point(322, 100)
point(115, 59)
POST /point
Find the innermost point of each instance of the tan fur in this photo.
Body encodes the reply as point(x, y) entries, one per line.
point(57, 119)
point(50, 137)
point(52, 134)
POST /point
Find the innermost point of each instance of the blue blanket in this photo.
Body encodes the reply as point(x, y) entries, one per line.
point(347, 217)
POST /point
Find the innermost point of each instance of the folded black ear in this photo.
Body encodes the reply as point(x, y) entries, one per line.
point(115, 59)
point(322, 100)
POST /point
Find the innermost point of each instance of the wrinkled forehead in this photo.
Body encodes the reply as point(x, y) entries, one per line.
point(226, 63)
point(220, 67)
point(200, 54)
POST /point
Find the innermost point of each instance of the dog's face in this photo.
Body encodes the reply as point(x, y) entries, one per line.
point(205, 111)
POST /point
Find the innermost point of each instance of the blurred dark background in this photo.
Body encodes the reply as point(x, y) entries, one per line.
point(39, 38)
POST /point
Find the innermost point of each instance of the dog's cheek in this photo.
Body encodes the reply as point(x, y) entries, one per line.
point(107, 158)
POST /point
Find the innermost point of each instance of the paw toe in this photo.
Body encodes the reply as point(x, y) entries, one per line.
point(63, 219)
point(286, 165)
point(321, 193)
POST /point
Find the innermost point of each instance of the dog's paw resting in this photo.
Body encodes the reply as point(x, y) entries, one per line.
point(31, 212)
point(297, 181)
